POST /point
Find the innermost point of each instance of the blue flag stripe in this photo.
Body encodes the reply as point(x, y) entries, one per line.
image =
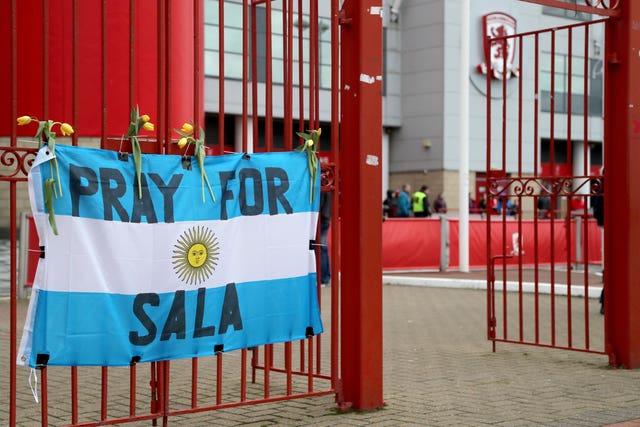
point(268, 313)
point(95, 184)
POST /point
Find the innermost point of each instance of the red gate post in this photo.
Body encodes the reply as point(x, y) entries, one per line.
point(361, 201)
point(622, 187)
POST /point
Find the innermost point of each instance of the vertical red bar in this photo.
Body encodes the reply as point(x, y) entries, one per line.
point(245, 77)
point(75, 52)
point(553, 176)
point(490, 301)
point(310, 364)
point(105, 73)
point(221, 77)
point(520, 149)
point(74, 394)
point(218, 378)
point(44, 400)
point(568, 223)
point(300, 67)
point(267, 370)
point(132, 53)
point(104, 393)
point(288, 366)
point(243, 375)
point(622, 188)
point(361, 236)
point(316, 63)
point(13, 225)
point(254, 77)
point(161, 120)
point(45, 54)
point(335, 137)
point(313, 60)
point(536, 273)
point(287, 37)
point(504, 193)
point(268, 102)
point(198, 65)
point(132, 390)
point(194, 382)
point(585, 168)
point(170, 71)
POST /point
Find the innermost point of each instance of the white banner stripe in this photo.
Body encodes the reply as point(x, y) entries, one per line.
point(162, 257)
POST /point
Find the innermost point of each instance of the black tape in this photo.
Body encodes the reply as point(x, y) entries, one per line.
point(246, 156)
point(309, 332)
point(186, 163)
point(134, 360)
point(42, 252)
point(312, 245)
point(42, 360)
point(123, 157)
point(218, 348)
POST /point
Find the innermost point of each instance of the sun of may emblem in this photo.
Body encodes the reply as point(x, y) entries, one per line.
point(196, 255)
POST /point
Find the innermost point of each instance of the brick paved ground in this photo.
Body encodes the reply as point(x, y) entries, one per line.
point(439, 370)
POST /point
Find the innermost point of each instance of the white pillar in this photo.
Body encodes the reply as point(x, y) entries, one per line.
point(578, 169)
point(385, 164)
point(464, 138)
point(238, 135)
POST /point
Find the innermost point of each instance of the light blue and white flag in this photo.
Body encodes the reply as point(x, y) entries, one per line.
point(170, 275)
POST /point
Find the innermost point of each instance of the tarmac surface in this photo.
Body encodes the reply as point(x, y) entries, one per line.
point(439, 370)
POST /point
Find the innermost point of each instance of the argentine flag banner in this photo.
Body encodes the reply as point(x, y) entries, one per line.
point(175, 273)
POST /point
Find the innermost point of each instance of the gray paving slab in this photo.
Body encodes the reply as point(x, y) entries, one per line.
point(439, 370)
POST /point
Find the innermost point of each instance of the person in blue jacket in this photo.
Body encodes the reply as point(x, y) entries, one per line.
point(404, 202)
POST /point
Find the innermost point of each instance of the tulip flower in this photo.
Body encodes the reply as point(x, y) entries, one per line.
point(66, 129)
point(24, 120)
point(310, 146)
point(145, 118)
point(148, 126)
point(187, 128)
point(182, 142)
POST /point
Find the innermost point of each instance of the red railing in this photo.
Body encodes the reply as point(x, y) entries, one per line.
point(125, 53)
point(543, 101)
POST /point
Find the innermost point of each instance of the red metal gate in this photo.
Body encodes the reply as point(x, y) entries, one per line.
point(271, 68)
point(543, 161)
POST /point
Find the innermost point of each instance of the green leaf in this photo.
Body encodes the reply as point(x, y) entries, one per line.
point(306, 136)
point(182, 134)
point(137, 160)
point(54, 162)
point(132, 129)
point(40, 129)
point(49, 188)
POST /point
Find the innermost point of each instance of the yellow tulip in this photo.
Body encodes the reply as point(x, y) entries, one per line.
point(23, 120)
point(148, 126)
point(310, 143)
point(66, 129)
point(182, 142)
point(319, 131)
point(145, 118)
point(187, 128)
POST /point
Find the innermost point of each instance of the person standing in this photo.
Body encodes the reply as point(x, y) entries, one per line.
point(597, 204)
point(390, 205)
point(440, 205)
point(420, 200)
point(325, 222)
point(404, 202)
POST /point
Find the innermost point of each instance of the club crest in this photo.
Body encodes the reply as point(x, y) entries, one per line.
point(500, 52)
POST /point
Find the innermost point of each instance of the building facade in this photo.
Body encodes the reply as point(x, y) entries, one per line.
point(421, 88)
